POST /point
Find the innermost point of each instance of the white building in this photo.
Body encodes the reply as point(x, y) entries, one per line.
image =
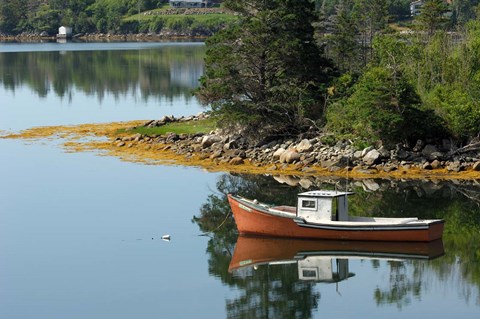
point(64, 32)
point(415, 8)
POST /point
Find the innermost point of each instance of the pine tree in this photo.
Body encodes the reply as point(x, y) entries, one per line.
point(266, 72)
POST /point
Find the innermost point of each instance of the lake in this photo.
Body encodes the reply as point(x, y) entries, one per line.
point(80, 234)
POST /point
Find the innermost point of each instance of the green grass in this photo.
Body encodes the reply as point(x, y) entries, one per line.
point(190, 127)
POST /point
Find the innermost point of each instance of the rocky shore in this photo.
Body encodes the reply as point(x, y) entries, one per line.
point(307, 155)
point(94, 37)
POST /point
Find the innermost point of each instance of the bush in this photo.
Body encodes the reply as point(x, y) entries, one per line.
point(157, 24)
point(457, 109)
point(381, 108)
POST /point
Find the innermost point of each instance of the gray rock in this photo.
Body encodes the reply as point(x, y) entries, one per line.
point(429, 149)
point(370, 185)
point(384, 153)
point(278, 153)
point(208, 140)
point(427, 166)
point(476, 166)
point(372, 157)
point(366, 150)
point(289, 156)
point(436, 164)
point(230, 145)
point(304, 146)
point(357, 155)
point(455, 167)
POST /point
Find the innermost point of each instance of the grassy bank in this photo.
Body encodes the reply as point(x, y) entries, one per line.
point(187, 127)
point(171, 20)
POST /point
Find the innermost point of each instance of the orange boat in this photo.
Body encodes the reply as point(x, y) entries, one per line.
point(324, 215)
point(312, 256)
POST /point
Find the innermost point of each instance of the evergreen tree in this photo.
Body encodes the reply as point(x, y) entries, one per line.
point(432, 16)
point(371, 16)
point(343, 44)
point(266, 72)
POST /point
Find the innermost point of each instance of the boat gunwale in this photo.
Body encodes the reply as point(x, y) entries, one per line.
point(262, 208)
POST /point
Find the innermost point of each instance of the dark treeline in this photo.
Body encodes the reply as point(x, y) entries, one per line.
point(363, 70)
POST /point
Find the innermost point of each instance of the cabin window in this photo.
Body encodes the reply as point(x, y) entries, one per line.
point(309, 204)
point(309, 273)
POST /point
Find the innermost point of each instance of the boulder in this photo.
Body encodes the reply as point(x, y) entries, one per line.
point(455, 167)
point(372, 157)
point(429, 149)
point(427, 166)
point(370, 185)
point(431, 152)
point(289, 156)
point(278, 153)
point(304, 146)
point(436, 164)
point(208, 140)
point(230, 145)
point(366, 150)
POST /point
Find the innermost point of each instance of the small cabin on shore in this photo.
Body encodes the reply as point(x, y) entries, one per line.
point(64, 32)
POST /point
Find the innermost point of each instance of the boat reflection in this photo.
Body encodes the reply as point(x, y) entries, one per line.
point(323, 260)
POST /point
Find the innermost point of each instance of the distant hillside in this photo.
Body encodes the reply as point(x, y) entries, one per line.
point(108, 16)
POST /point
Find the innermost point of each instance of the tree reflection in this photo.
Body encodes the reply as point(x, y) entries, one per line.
point(277, 291)
point(166, 71)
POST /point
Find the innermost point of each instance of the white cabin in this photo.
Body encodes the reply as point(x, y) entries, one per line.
point(323, 269)
point(321, 206)
point(64, 32)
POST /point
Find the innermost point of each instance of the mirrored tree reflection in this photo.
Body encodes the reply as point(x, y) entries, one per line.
point(163, 72)
point(268, 291)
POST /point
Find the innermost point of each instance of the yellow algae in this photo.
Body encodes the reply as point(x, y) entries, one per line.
point(85, 138)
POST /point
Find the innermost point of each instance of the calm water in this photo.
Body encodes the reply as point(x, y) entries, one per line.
point(80, 234)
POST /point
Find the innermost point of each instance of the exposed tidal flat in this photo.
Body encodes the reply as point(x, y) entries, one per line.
point(301, 157)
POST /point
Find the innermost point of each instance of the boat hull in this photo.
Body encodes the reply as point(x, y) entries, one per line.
point(252, 221)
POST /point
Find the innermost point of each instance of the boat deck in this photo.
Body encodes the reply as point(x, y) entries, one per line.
point(353, 220)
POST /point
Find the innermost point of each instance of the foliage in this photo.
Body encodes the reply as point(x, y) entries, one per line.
point(447, 73)
point(378, 109)
point(265, 72)
point(432, 16)
point(343, 42)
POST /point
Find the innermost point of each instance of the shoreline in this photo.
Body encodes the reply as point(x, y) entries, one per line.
point(188, 150)
point(100, 37)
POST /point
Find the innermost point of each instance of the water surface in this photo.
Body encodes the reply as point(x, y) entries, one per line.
point(74, 83)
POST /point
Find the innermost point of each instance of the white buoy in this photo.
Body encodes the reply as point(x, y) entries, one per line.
point(166, 237)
